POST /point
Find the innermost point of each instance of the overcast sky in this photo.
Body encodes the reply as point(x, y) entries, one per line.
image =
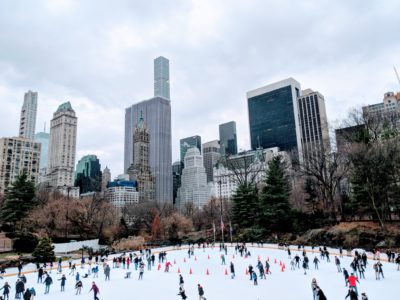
point(99, 55)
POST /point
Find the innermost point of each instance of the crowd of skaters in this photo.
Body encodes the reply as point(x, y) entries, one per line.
point(146, 257)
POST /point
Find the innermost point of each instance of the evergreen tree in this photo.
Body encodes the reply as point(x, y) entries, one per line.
point(245, 206)
point(274, 198)
point(20, 198)
point(44, 251)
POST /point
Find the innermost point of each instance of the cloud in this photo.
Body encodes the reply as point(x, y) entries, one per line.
point(99, 55)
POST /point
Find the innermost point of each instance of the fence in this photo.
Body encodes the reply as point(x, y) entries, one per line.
point(73, 246)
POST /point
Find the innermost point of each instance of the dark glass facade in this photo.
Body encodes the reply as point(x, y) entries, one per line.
point(272, 120)
point(228, 139)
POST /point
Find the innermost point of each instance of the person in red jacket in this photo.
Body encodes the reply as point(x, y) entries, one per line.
point(95, 290)
point(353, 282)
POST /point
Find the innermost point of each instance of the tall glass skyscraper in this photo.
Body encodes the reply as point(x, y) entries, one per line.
point(273, 116)
point(88, 174)
point(27, 122)
point(157, 115)
point(187, 143)
point(161, 77)
point(227, 138)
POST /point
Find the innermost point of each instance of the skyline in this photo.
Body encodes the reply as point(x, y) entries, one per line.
point(214, 62)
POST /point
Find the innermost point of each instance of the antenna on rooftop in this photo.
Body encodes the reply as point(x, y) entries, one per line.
point(397, 74)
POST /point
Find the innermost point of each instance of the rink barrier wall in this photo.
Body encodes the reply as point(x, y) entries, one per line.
point(74, 246)
point(293, 248)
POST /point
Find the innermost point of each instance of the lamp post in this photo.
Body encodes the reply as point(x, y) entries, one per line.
point(220, 199)
point(68, 188)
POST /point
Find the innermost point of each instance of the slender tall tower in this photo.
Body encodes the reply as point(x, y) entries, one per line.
point(105, 179)
point(161, 77)
point(27, 122)
point(62, 147)
point(157, 113)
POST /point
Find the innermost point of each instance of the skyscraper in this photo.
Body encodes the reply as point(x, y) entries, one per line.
point(194, 189)
point(313, 122)
point(273, 116)
point(88, 174)
point(161, 77)
point(18, 155)
point(139, 171)
point(157, 113)
point(62, 147)
point(105, 179)
point(43, 139)
point(27, 122)
point(176, 178)
point(211, 155)
point(187, 143)
point(227, 138)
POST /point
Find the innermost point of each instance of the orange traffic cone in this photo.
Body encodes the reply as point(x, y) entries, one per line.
point(190, 272)
point(280, 263)
point(174, 262)
point(282, 269)
point(284, 266)
point(259, 257)
point(247, 272)
point(159, 267)
point(268, 258)
point(275, 260)
point(226, 271)
point(184, 259)
point(179, 270)
point(207, 273)
point(209, 256)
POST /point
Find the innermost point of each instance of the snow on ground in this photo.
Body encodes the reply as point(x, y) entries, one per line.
point(287, 285)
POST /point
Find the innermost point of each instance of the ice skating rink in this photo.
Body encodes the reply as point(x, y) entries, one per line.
point(157, 284)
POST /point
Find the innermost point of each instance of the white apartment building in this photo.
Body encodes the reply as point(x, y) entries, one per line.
point(18, 155)
point(194, 188)
point(121, 194)
point(62, 147)
point(27, 122)
point(226, 180)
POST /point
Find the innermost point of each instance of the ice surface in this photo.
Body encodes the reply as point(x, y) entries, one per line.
point(287, 285)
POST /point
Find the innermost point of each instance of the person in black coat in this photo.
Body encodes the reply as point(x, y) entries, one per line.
point(320, 294)
point(352, 294)
point(182, 293)
point(6, 287)
point(232, 267)
point(40, 275)
point(19, 289)
point(27, 295)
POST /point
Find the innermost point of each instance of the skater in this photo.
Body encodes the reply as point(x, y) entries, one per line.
point(6, 287)
point(48, 281)
point(345, 275)
point(251, 271)
point(223, 259)
point(77, 276)
point(364, 296)
point(40, 275)
point(380, 270)
point(305, 267)
point(78, 287)
point(255, 278)
point(314, 286)
point(316, 261)
point(19, 269)
point(62, 279)
point(181, 282)
point(95, 290)
point(297, 260)
point(141, 270)
point(320, 294)
point(19, 289)
point(182, 293)
point(289, 253)
point(353, 282)
point(27, 294)
point(107, 272)
point(232, 267)
point(201, 292)
point(337, 263)
point(352, 294)
point(33, 293)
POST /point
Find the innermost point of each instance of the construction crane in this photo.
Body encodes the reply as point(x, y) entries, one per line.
point(397, 74)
